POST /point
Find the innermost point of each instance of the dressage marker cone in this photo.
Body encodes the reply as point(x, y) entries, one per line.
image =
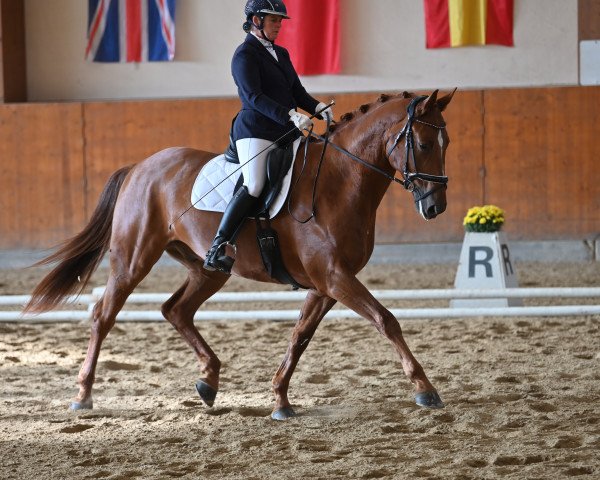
point(485, 262)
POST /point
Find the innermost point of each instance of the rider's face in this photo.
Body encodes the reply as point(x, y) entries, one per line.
point(271, 26)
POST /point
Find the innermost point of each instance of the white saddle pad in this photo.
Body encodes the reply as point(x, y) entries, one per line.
point(213, 188)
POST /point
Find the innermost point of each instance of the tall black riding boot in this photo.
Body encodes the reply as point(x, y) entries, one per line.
point(234, 215)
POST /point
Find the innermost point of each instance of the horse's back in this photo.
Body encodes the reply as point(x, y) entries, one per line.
point(159, 186)
point(168, 169)
point(177, 159)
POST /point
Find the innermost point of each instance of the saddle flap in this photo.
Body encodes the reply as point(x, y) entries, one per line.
point(231, 153)
point(279, 162)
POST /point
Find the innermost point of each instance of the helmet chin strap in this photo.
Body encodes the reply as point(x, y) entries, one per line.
point(267, 38)
point(260, 28)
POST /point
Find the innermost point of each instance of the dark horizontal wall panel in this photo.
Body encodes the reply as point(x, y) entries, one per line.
point(533, 152)
point(589, 20)
point(542, 149)
point(41, 174)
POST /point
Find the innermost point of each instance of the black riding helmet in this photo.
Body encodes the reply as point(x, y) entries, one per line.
point(261, 8)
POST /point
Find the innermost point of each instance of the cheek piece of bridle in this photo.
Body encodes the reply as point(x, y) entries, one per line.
point(409, 177)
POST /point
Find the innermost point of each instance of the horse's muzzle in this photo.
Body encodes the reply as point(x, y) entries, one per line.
point(434, 210)
point(432, 203)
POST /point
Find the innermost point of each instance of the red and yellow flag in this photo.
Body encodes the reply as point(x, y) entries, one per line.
point(454, 23)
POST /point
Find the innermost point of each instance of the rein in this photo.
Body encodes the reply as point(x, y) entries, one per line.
point(314, 191)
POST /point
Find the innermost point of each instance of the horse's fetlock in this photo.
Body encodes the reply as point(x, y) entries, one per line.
point(415, 372)
point(212, 366)
point(216, 364)
point(276, 386)
point(279, 387)
point(85, 384)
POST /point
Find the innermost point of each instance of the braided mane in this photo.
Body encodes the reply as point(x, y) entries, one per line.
point(349, 116)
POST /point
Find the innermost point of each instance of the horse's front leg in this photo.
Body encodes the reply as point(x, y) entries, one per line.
point(314, 309)
point(347, 289)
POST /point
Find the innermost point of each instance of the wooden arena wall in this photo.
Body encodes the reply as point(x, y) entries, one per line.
point(533, 152)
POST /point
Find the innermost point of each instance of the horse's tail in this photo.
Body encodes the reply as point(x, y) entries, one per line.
point(79, 256)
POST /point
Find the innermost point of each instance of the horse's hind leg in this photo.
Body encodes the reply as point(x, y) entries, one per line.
point(314, 309)
point(179, 310)
point(123, 278)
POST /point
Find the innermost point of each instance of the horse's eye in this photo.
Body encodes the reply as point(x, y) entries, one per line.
point(424, 146)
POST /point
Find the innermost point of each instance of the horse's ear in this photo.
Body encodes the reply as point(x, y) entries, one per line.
point(443, 102)
point(429, 102)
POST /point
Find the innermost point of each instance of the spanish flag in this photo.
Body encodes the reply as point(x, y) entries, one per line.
point(455, 23)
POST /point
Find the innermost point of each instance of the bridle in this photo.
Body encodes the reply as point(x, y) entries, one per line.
point(409, 177)
point(407, 180)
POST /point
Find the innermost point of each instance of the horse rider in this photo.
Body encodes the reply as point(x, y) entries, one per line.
point(270, 92)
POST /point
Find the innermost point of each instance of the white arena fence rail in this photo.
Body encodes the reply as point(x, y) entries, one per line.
point(88, 300)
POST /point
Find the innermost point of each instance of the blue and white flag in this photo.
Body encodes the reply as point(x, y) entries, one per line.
point(131, 30)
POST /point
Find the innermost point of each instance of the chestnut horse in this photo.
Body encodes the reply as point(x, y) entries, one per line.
point(137, 219)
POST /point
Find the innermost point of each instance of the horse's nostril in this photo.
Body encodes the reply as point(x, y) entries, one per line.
point(432, 212)
point(435, 210)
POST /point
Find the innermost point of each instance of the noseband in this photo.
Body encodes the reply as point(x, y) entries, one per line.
point(407, 132)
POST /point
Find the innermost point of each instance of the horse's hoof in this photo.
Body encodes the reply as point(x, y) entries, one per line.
point(284, 413)
point(85, 405)
point(206, 392)
point(429, 400)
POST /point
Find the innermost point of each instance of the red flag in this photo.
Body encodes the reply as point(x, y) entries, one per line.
point(454, 23)
point(312, 36)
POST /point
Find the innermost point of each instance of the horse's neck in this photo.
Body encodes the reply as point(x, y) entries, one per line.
point(370, 148)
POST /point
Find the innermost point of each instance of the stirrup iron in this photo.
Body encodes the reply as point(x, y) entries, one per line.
point(216, 259)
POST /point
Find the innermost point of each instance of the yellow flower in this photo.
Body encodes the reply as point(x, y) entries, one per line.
point(488, 218)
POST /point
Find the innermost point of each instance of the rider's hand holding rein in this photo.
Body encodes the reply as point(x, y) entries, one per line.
point(300, 120)
point(303, 122)
point(326, 114)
